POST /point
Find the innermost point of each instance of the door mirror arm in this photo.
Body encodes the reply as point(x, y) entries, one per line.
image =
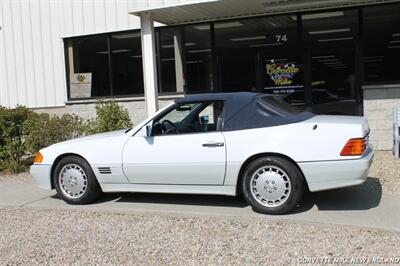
point(145, 131)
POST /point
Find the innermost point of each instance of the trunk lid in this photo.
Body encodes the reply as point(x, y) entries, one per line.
point(355, 125)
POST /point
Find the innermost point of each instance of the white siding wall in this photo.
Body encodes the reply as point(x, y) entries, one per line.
point(32, 69)
point(154, 4)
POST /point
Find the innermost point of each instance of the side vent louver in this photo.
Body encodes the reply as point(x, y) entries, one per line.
point(104, 170)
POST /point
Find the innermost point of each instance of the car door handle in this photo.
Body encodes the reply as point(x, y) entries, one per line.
point(213, 144)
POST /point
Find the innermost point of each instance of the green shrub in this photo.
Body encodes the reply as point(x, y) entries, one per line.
point(24, 132)
point(42, 130)
point(12, 146)
point(109, 116)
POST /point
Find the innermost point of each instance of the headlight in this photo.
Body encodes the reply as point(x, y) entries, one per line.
point(38, 158)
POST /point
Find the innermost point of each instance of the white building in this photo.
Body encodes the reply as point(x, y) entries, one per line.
point(338, 57)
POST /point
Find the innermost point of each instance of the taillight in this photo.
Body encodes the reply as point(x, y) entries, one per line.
point(354, 147)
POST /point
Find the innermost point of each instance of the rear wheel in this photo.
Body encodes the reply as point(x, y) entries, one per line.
point(75, 181)
point(272, 185)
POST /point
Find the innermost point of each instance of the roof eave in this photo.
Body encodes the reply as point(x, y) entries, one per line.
point(138, 11)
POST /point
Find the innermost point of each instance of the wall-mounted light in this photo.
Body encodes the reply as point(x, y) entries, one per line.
point(219, 25)
point(251, 38)
point(336, 39)
point(115, 51)
point(266, 44)
point(319, 15)
point(323, 56)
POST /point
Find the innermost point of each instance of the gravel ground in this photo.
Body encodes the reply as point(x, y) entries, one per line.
point(34, 236)
point(20, 177)
point(31, 236)
point(385, 172)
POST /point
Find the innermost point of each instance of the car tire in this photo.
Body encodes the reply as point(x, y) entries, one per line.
point(75, 181)
point(272, 185)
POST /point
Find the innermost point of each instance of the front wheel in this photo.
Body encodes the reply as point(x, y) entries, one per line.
point(75, 181)
point(272, 185)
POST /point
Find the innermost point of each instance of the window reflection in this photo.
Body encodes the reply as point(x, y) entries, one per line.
point(382, 43)
point(242, 45)
point(167, 60)
point(330, 28)
point(185, 59)
point(198, 58)
point(256, 33)
point(333, 83)
point(266, 54)
point(88, 67)
point(127, 64)
point(332, 38)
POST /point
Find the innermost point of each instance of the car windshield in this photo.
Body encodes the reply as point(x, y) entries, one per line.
point(279, 107)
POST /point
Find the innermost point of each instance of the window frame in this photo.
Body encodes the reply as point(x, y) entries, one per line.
point(110, 68)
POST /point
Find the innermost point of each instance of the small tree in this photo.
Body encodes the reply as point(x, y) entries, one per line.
point(110, 116)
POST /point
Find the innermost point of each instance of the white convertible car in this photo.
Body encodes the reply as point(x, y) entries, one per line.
point(223, 143)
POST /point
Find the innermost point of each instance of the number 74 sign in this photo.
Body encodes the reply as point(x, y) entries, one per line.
point(281, 38)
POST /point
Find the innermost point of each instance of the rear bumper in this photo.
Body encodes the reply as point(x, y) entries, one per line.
point(336, 174)
point(40, 173)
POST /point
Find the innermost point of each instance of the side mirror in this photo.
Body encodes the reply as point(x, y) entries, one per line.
point(204, 119)
point(148, 130)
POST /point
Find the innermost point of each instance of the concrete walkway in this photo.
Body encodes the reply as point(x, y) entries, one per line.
point(356, 206)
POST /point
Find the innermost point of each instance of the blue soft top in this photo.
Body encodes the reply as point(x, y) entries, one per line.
point(246, 110)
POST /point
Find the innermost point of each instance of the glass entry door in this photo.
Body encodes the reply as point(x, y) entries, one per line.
point(330, 41)
point(323, 81)
point(333, 82)
point(283, 76)
point(237, 72)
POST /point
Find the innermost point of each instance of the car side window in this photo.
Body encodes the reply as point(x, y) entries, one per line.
point(187, 118)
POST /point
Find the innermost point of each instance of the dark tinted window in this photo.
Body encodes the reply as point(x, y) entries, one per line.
point(127, 64)
point(331, 28)
point(168, 37)
point(382, 43)
point(334, 88)
point(245, 47)
point(105, 65)
point(185, 63)
point(198, 58)
point(333, 77)
point(88, 67)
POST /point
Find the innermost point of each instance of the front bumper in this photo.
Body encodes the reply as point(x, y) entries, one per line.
point(41, 174)
point(336, 174)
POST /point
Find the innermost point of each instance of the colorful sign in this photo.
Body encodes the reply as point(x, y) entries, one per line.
point(282, 74)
